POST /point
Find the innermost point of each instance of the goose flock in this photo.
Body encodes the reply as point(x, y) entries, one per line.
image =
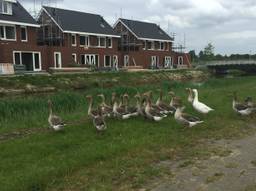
point(120, 108)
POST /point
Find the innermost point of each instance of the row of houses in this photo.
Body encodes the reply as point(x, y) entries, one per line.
point(61, 39)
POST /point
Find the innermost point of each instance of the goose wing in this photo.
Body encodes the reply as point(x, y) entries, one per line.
point(167, 107)
point(56, 120)
point(190, 118)
point(241, 107)
point(202, 106)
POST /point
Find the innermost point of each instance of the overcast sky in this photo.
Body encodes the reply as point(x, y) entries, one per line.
point(229, 24)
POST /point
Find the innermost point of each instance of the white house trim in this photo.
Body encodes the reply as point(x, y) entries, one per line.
point(52, 19)
point(19, 23)
point(92, 34)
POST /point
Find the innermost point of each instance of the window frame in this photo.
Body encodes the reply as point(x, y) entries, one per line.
point(26, 33)
point(73, 36)
point(87, 41)
point(4, 34)
point(9, 10)
point(99, 42)
point(110, 61)
point(109, 39)
point(74, 57)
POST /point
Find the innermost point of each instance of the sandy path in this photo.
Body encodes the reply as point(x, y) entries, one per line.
point(235, 171)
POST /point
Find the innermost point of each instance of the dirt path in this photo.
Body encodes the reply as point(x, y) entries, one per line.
point(232, 170)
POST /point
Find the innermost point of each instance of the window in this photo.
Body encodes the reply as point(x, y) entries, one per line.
point(109, 42)
point(180, 60)
point(84, 41)
point(74, 57)
point(7, 33)
point(23, 35)
point(73, 40)
point(162, 46)
point(90, 59)
point(101, 42)
point(151, 45)
point(5, 7)
point(107, 61)
point(2, 32)
point(144, 45)
point(168, 62)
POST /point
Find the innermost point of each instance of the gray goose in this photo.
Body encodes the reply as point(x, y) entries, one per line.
point(99, 121)
point(175, 101)
point(148, 95)
point(118, 109)
point(140, 106)
point(190, 95)
point(91, 112)
point(164, 106)
point(130, 109)
point(186, 119)
point(106, 109)
point(152, 113)
point(241, 108)
point(54, 121)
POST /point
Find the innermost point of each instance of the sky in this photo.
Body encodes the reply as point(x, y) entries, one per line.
point(228, 24)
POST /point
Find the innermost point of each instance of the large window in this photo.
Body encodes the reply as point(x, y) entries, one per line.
point(84, 41)
point(23, 35)
point(90, 59)
point(101, 41)
point(7, 33)
point(5, 7)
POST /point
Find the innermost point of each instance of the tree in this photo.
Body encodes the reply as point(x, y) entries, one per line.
point(193, 55)
point(209, 52)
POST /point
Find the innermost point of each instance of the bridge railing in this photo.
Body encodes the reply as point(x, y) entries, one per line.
point(231, 62)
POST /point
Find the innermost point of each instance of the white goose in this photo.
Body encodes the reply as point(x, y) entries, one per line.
point(186, 119)
point(54, 121)
point(199, 106)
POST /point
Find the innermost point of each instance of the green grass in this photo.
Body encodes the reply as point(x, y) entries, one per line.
point(123, 157)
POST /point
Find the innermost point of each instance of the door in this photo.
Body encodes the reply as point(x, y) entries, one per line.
point(180, 60)
point(57, 60)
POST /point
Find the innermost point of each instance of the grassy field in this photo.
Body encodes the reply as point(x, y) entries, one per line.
point(36, 159)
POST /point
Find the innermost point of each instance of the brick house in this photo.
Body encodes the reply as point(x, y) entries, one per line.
point(73, 38)
point(18, 39)
point(147, 45)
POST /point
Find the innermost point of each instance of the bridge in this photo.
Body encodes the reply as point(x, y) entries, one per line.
point(222, 67)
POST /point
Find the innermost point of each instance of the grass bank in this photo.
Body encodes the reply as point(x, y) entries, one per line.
point(121, 158)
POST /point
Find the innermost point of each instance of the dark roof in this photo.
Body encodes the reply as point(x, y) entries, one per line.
point(80, 22)
point(19, 15)
point(146, 30)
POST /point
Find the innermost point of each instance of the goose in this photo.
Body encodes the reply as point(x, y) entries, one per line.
point(148, 95)
point(249, 102)
point(190, 95)
point(175, 101)
point(99, 121)
point(130, 109)
point(106, 109)
point(199, 106)
point(152, 113)
point(186, 119)
point(119, 111)
point(54, 121)
point(164, 106)
point(91, 113)
point(140, 106)
point(241, 108)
